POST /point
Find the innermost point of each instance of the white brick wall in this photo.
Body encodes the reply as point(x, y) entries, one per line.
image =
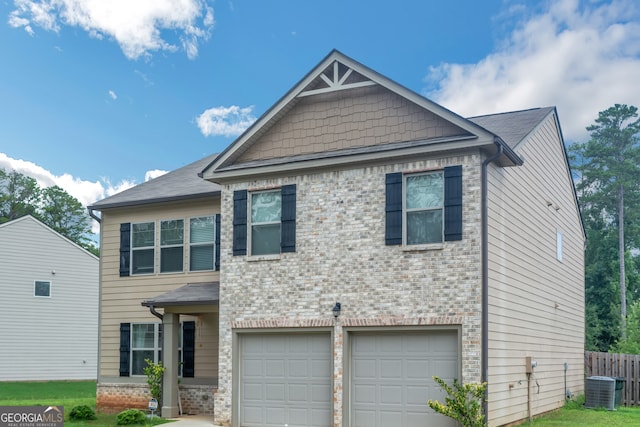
point(341, 256)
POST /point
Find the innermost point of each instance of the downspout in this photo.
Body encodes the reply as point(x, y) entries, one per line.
point(153, 311)
point(94, 216)
point(485, 276)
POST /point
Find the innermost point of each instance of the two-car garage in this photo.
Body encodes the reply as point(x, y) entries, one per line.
point(286, 379)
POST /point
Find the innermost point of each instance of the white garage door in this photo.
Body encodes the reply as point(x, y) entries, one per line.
point(391, 377)
point(285, 379)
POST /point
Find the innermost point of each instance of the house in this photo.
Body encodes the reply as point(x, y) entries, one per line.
point(454, 247)
point(158, 289)
point(369, 239)
point(48, 305)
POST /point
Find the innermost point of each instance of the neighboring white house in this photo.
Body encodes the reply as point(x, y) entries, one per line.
point(48, 305)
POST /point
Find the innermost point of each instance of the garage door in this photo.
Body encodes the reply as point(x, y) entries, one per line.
point(391, 377)
point(285, 379)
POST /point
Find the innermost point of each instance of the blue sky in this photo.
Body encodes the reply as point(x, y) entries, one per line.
point(98, 96)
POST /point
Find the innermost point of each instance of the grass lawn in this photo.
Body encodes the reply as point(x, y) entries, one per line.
point(74, 393)
point(575, 414)
point(59, 393)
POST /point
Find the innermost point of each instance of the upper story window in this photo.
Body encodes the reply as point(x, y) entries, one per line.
point(171, 245)
point(266, 212)
point(142, 247)
point(201, 243)
point(266, 220)
point(138, 246)
point(42, 288)
point(424, 208)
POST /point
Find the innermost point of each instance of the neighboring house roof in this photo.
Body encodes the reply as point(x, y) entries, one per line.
point(29, 218)
point(513, 127)
point(180, 184)
point(190, 294)
point(339, 72)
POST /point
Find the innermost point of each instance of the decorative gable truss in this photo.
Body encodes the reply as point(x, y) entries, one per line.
point(335, 77)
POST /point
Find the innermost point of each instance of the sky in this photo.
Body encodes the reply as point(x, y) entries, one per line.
point(98, 96)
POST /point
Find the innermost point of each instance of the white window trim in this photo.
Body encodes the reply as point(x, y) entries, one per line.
point(213, 242)
point(153, 270)
point(157, 346)
point(42, 281)
point(419, 246)
point(161, 246)
point(250, 224)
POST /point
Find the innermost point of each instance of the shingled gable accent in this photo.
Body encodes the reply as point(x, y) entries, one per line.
point(336, 79)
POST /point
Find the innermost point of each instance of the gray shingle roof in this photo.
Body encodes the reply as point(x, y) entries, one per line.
point(189, 294)
point(513, 126)
point(182, 183)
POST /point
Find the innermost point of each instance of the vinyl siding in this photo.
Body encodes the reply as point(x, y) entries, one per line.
point(536, 303)
point(46, 338)
point(121, 297)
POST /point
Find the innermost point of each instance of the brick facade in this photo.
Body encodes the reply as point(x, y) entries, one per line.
point(113, 398)
point(341, 256)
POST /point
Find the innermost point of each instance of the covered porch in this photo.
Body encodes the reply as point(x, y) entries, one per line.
point(193, 299)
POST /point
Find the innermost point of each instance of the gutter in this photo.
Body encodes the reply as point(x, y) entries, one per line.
point(485, 276)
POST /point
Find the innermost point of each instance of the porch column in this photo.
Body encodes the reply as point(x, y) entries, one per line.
point(171, 323)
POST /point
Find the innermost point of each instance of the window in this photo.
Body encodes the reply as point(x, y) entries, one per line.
point(201, 243)
point(559, 245)
point(266, 220)
point(146, 343)
point(266, 208)
point(142, 247)
point(42, 289)
point(140, 341)
point(423, 208)
point(171, 245)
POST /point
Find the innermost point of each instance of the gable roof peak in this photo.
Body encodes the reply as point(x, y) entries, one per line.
point(338, 72)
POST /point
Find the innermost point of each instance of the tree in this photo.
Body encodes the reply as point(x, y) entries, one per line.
point(65, 214)
point(19, 195)
point(609, 180)
point(630, 344)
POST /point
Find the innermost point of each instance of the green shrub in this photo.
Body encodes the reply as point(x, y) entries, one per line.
point(82, 412)
point(131, 416)
point(154, 373)
point(463, 404)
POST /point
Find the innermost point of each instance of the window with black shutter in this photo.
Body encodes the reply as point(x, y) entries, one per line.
point(264, 222)
point(424, 208)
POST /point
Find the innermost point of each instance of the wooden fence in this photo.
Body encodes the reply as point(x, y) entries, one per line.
point(624, 366)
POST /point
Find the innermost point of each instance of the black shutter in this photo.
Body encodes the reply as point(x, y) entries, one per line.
point(393, 227)
point(288, 218)
point(216, 261)
point(125, 248)
point(125, 348)
point(453, 203)
point(188, 349)
point(240, 222)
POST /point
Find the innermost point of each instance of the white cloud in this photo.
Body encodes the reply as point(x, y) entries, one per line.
point(87, 192)
point(113, 95)
point(154, 174)
point(226, 121)
point(135, 25)
point(582, 58)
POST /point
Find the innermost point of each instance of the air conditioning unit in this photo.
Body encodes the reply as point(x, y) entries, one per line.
point(600, 392)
